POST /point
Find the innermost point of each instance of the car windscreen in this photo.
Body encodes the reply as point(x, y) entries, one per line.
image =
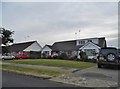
point(106, 51)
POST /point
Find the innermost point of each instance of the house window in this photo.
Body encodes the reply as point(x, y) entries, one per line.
point(89, 40)
point(46, 52)
point(90, 52)
point(82, 42)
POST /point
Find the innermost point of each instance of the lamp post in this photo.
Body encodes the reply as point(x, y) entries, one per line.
point(79, 34)
point(76, 35)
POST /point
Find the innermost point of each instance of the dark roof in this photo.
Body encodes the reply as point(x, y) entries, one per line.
point(49, 46)
point(71, 45)
point(20, 46)
point(91, 38)
point(64, 46)
point(102, 42)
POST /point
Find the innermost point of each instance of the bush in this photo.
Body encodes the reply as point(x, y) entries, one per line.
point(55, 57)
point(85, 58)
point(72, 57)
point(49, 57)
point(63, 56)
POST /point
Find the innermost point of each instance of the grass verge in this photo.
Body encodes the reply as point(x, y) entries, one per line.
point(54, 62)
point(33, 71)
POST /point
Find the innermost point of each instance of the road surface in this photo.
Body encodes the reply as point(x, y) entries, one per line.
point(11, 79)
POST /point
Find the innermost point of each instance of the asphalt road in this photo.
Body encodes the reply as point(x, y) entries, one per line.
point(11, 79)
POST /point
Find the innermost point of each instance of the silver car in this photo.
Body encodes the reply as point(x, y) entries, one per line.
point(7, 57)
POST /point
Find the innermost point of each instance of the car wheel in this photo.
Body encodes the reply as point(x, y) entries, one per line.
point(99, 65)
point(111, 57)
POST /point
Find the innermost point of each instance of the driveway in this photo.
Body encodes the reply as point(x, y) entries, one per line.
point(92, 77)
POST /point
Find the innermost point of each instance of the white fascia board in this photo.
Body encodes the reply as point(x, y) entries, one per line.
point(34, 47)
point(89, 43)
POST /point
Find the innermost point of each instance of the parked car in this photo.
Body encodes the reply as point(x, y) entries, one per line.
point(7, 57)
point(22, 56)
point(108, 56)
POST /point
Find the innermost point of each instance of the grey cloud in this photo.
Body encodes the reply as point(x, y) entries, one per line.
point(113, 43)
point(59, 21)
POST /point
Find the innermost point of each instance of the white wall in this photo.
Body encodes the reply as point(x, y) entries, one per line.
point(91, 46)
point(46, 48)
point(34, 47)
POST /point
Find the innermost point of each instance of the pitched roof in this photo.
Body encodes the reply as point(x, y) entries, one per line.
point(71, 44)
point(20, 46)
point(48, 46)
point(101, 41)
point(64, 45)
point(90, 43)
point(91, 38)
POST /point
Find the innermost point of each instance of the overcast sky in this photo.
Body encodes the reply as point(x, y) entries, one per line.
point(48, 22)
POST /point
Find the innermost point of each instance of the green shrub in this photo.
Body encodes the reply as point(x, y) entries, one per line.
point(85, 58)
point(63, 56)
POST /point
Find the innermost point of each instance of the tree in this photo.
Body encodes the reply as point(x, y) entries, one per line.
point(6, 36)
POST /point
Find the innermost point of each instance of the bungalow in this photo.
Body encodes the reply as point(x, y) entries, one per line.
point(90, 46)
point(32, 48)
point(68, 47)
point(46, 51)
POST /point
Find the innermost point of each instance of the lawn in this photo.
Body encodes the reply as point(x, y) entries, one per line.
point(54, 62)
point(33, 71)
